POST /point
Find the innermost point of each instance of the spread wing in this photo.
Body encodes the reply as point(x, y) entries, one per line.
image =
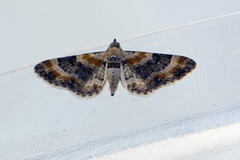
point(143, 72)
point(83, 75)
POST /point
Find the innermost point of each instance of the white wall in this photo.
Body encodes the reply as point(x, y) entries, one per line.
point(38, 121)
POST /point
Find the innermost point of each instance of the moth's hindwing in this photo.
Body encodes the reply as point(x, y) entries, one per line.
point(83, 74)
point(143, 72)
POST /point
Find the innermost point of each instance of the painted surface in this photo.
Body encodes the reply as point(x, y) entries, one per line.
point(39, 121)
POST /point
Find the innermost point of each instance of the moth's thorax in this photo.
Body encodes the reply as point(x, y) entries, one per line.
point(114, 51)
point(114, 57)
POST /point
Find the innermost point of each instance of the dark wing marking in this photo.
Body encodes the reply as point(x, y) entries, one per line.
point(84, 74)
point(143, 72)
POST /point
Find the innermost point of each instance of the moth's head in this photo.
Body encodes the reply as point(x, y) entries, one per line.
point(114, 44)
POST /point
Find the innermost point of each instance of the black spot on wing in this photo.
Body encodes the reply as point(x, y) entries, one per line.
point(71, 66)
point(158, 63)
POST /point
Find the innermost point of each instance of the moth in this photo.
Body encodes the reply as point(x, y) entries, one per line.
point(139, 72)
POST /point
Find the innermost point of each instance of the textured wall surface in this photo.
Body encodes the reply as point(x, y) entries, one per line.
point(195, 118)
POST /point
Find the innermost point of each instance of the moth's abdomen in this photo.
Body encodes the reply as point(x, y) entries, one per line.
point(113, 75)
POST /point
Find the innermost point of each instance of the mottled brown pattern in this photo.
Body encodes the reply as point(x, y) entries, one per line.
point(71, 66)
point(157, 63)
point(140, 72)
point(89, 59)
point(136, 58)
point(159, 71)
point(181, 67)
point(48, 63)
point(71, 75)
